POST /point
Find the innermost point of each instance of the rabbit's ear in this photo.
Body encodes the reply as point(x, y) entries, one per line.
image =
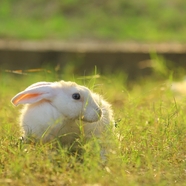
point(42, 83)
point(34, 94)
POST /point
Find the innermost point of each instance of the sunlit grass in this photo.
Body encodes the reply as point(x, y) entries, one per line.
point(147, 21)
point(150, 125)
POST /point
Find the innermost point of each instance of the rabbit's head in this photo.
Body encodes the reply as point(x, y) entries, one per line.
point(69, 99)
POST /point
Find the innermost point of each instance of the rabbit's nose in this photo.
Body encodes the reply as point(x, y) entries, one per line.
point(99, 112)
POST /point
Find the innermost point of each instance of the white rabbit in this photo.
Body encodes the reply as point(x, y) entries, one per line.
point(62, 110)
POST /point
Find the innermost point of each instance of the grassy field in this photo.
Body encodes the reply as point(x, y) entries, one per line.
point(146, 21)
point(151, 124)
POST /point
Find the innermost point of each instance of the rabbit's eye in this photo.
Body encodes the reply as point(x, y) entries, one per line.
point(76, 96)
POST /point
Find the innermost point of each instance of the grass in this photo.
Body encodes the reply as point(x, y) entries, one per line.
point(147, 21)
point(151, 125)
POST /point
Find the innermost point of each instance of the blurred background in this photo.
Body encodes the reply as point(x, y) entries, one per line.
point(111, 35)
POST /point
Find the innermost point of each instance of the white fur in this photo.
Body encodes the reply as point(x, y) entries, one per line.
point(50, 112)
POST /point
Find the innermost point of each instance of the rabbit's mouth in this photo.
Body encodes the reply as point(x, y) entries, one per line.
point(89, 120)
point(95, 116)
